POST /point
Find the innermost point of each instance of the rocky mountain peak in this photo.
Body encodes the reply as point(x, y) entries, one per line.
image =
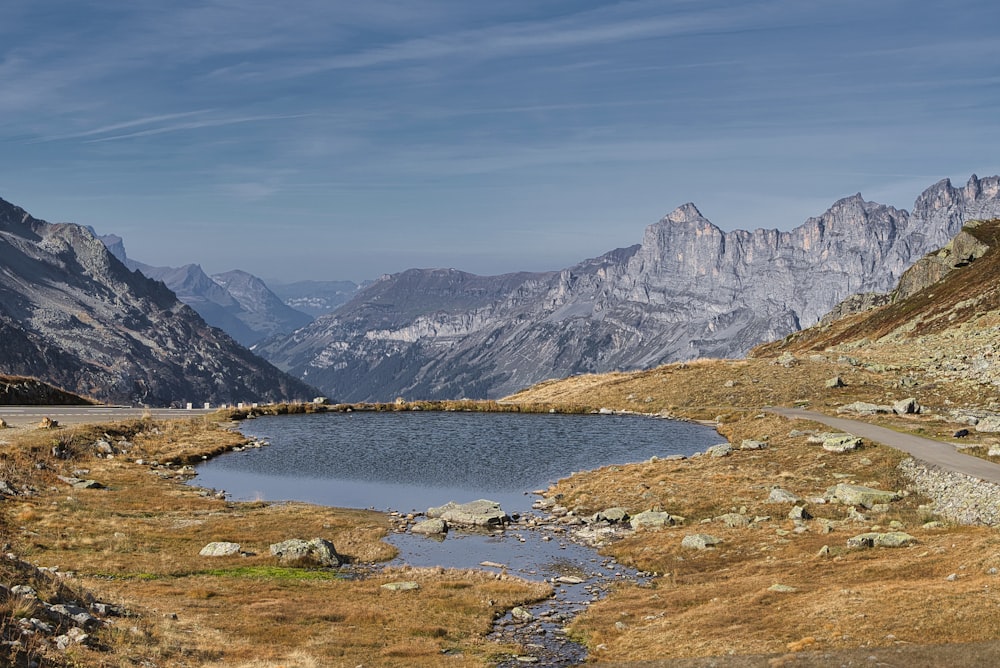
point(685, 213)
point(689, 290)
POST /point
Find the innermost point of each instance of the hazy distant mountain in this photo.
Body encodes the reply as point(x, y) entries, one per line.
point(73, 315)
point(316, 298)
point(236, 302)
point(688, 290)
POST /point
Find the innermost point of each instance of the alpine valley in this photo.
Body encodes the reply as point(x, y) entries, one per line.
point(71, 314)
point(689, 290)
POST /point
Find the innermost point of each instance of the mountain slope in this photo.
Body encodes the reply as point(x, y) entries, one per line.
point(236, 302)
point(73, 315)
point(688, 290)
point(942, 319)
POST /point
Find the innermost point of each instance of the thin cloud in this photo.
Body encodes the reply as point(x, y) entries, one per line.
point(196, 125)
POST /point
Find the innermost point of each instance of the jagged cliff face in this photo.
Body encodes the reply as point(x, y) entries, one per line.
point(73, 315)
point(688, 290)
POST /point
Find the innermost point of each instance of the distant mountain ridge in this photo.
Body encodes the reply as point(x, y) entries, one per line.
point(236, 302)
point(688, 290)
point(71, 314)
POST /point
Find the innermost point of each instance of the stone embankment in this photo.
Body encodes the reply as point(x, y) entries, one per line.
point(956, 496)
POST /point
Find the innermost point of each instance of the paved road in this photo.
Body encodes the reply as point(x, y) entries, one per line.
point(927, 450)
point(23, 416)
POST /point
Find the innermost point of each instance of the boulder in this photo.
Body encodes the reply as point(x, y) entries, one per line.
point(614, 515)
point(874, 539)
point(989, 424)
point(480, 513)
point(700, 541)
point(779, 495)
point(863, 408)
point(653, 519)
point(835, 382)
point(220, 549)
point(431, 527)
point(799, 513)
point(843, 443)
point(906, 406)
point(750, 444)
point(79, 483)
point(401, 586)
point(734, 520)
point(299, 552)
point(721, 450)
point(858, 495)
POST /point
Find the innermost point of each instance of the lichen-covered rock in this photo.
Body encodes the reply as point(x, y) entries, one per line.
point(875, 539)
point(721, 450)
point(653, 519)
point(843, 443)
point(700, 541)
point(779, 495)
point(299, 552)
point(480, 513)
point(431, 527)
point(859, 495)
point(220, 549)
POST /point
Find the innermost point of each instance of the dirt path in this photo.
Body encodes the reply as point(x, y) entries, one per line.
point(926, 450)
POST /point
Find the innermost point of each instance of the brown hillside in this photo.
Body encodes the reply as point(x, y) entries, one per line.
point(941, 293)
point(18, 391)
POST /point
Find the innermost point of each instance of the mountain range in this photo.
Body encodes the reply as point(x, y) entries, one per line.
point(238, 302)
point(688, 290)
point(72, 314)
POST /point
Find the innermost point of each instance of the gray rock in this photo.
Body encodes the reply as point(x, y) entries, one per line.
point(906, 406)
point(835, 382)
point(297, 551)
point(74, 614)
point(840, 444)
point(989, 424)
point(875, 539)
point(859, 495)
point(79, 483)
point(480, 513)
point(782, 589)
point(220, 549)
point(700, 541)
point(779, 495)
point(750, 444)
point(652, 519)
point(862, 408)
point(401, 586)
point(721, 450)
point(612, 515)
point(799, 513)
point(734, 520)
point(521, 615)
point(434, 526)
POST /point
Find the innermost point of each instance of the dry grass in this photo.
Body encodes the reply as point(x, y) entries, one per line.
point(718, 602)
point(136, 543)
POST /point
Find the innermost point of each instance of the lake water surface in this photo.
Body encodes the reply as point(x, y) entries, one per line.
point(409, 461)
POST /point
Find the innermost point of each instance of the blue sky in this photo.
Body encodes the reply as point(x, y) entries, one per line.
point(341, 140)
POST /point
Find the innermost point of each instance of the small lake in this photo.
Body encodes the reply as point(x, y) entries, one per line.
point(409, 461)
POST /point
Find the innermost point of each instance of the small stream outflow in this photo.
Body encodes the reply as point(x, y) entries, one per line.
point(534, 549)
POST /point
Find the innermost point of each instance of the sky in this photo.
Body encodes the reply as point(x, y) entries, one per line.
point(328, 140)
